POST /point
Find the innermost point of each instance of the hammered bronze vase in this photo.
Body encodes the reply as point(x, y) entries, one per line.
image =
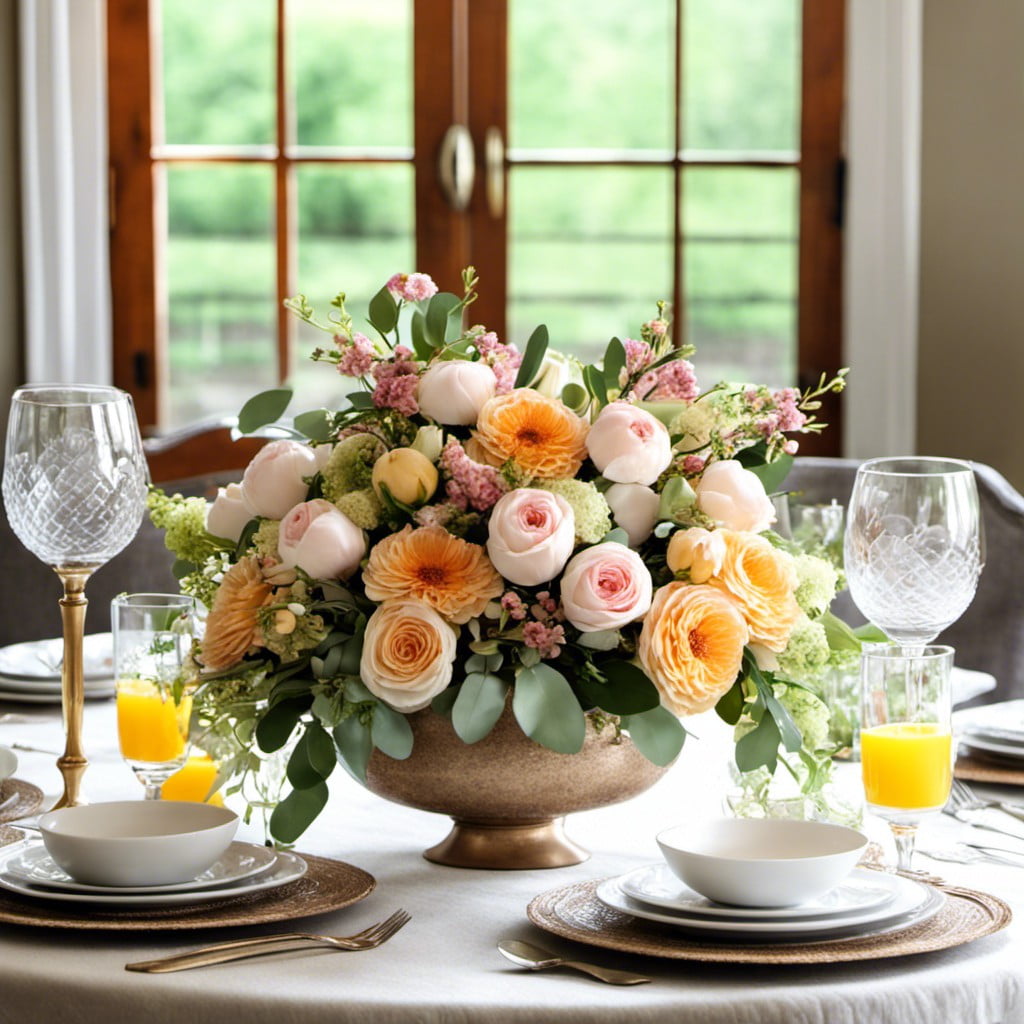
point(508, 795)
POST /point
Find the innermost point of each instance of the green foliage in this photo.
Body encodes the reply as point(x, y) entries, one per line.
point(657, 733)
point(390, 732)
point(626, 690)
point(478, 706)
point(547, 709)
point(296, 812)
point(533, 357)
point(262, 409)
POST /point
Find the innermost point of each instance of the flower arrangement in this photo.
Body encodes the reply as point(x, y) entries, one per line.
point(481, 525)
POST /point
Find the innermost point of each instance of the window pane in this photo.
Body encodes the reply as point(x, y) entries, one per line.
point(741, 74)
point(590, 253)
point(218, 71)
point(740, 272)
point(351, 62)
point(589, 74)
point(355, 231)
point(221, 288)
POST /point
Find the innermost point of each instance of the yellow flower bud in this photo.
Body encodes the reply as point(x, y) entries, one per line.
point(409, 476)
point(284, 621)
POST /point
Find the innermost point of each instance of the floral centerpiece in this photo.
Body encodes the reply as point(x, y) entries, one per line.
point(482, 526)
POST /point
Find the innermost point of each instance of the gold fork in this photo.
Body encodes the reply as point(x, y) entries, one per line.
point(368, 938)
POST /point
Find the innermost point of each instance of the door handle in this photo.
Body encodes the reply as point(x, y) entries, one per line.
point(494, 161)
point(455, 166)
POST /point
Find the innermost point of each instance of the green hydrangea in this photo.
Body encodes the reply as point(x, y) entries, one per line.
point(592, 514)
point(183, 521)
point(362, 507)
point(350, 466)
point(286, 633)
point(264, 540)
point(817, 581)
point(810, 714)
point(807, 654)
point(205, 581)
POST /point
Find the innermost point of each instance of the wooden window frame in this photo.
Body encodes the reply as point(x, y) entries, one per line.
point(446, 32)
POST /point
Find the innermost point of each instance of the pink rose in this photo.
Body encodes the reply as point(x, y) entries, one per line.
point(273, 482)
point(734, 497)
point(628, 445)
point(605, 587)
point(634, 508)
point(454, 391)
point(532, 534)
point(320, 540)
point(228, 514)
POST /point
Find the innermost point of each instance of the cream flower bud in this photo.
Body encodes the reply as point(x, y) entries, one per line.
point(228, 514)
point(634, 508)
point(701, 551)
point(409, 476)
point(734, 497)
point(429, 442)
point(454, 391)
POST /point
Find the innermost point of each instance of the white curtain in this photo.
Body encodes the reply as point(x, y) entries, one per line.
point(64, 190)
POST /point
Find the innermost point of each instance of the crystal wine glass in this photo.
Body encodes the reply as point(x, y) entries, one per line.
point(74, 487)
point(914, 546)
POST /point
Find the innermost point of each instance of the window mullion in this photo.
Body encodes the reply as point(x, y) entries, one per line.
point(284, 206)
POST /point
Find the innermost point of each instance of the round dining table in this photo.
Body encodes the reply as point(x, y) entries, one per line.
point(444, 965)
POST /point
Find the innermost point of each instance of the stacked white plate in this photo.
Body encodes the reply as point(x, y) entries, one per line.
point(243, 868)
point(994, 729)
point(30, 671)
point(865, 903)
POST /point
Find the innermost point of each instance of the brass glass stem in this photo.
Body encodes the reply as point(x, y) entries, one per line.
point(72, 763)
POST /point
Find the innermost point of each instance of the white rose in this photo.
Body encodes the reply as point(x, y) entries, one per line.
point(273, 482)
point(734, 497)
point(634, 508)
point(408, 651)
point(228, 514)
point(628, 445)
point(454, 391)
point(531, 535)
point(322, 541)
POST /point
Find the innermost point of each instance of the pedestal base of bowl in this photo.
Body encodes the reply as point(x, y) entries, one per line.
point(507, 846)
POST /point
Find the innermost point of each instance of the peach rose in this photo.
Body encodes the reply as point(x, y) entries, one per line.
point(531, 536)
point(762, 581)
point(634, 508)
point(454, 391)
point(228, 514)
point(543, 436)
point(605, 587)
point(691, 646)
point(700, 551)
point(320, 540)
point(274, 482)
point(408, 651)
point(734, 497)
point(628, 445)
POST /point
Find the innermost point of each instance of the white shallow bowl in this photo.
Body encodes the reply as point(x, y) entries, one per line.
point(137, 842)
point(761, 862)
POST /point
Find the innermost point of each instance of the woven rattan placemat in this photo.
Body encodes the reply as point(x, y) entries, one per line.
point(971, 768)
point(29, 799)
point(575, 912)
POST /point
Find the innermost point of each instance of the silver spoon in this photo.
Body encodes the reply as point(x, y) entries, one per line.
point(536, 959)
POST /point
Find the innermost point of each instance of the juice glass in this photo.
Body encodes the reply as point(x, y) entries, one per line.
point(152, 638)
point(906, 737)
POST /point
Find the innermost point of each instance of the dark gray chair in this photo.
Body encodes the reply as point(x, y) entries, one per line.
point(990, 634)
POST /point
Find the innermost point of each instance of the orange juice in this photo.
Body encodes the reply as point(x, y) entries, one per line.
point(193, 781)
point(907, 764)
point(150, 726)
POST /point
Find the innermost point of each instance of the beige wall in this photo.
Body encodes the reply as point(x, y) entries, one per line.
point(10, 265)
point(971, 358)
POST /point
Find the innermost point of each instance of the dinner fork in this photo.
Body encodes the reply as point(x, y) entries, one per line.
point(368, 938)
point(963, 798)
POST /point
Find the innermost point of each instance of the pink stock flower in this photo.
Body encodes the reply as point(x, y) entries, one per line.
point(639, 355)
point(412, 287)
point(790, 416)
point(693, 464)
point(657, 327)
point(673, 381)
point(513, 604)
point(470, 484)
point(544, 638)
point(397, 383)
point(357, 356)
point(504, 360)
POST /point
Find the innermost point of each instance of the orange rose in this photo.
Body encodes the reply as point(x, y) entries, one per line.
point(762, 580)
point(451, 575)
point(545, 438)
point(691, 646)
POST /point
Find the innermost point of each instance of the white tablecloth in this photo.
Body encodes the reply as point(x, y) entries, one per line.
point(444, 965)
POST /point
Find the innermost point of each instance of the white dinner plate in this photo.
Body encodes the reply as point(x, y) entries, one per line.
point(287, 868)
point(25, 697)
point(655, 885)
point(1010, 751)
point(968, 683)
point(998, 723)
point(241, 860)
point(41, 659)
point(912, 902)
point(53, 686)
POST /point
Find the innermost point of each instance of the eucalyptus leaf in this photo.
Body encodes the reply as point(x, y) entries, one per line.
point(266, 407)
point(730, 705)
point(315, 424)
point(320, 749)
point(614, 362)
point(350, 655)
point(657, 733)
point(303, 773)
point(627, 690)
point(772, 474)
point(442, 704)
point(478, 706)
point(390, 732)
point(420, 343)
point(182, 568)
point(290, 689)
point(297, 811)
point(616, 536)
point(441, 310)
point(838, 634)
point(760, 747)
point(595, 382)
point(278, 723)
point(533, 357)
point(601, 640)
point(352, 740)
point(356, 691)
point(383, 311)
point(547, 709)
point(360, 400)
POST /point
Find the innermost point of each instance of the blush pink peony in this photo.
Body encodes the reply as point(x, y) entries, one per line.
point(605, 587)
point(274, 481)
point(734, 497)
point(628, 445)
point(322, 541)
point(453, 392)
point(531, 536)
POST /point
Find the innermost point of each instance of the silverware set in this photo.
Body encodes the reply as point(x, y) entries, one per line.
point(966, 806)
